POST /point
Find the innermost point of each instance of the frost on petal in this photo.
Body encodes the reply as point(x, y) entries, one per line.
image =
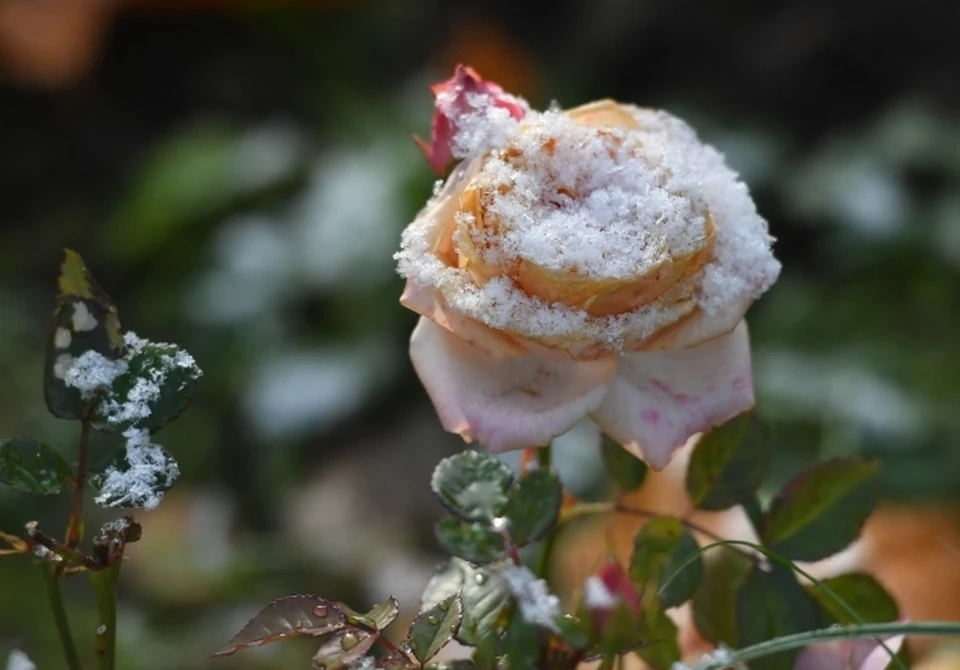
point(659, 399)
point(508, 403)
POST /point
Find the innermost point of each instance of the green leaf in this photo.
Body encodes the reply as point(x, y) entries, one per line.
point(620, 631)
point(156, 388)
point(533, 505)
point(483, 593)
point(574, 630)
point(628, 471)
point(715, 601)
point(728, 464)
point(476, 542)
point(821, 510)
point(378, 618)
point(772, 604)
point(125, 484)
point(343, 648)
point(661, 551)
point(287, 617)
point(85, 320)
point(186, 179)
point(660, 648)
point(522, 645)
point(29, 466)
point(862, 593)
point(471, 485)
point(435, 627)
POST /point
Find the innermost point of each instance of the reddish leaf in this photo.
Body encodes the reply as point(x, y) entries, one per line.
point(288, 617)
point(344, 648)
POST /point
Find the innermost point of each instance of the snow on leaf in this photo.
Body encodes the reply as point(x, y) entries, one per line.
point(291, 616)
point(138, 475)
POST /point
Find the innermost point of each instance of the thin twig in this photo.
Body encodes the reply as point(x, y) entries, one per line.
point(75, 528)
point(60, 549)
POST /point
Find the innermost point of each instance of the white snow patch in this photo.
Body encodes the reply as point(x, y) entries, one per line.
point(596, 595)
point(62, 338)
point(92, 371)
point(536, 603)
point(149, 467)
point(19, 661)
point(137, 405)
point(83, 320)
point(721, 656)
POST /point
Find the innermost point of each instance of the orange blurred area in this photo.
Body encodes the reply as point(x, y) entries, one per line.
point(492, 52)
point(55, 43)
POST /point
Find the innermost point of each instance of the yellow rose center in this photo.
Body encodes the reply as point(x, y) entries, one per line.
point(582, 209)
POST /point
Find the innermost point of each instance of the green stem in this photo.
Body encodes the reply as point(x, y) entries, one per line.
point(545, 456)
point(788, 642)
point(60, 617)
point(75, 527)
point(545, 460)
point(105, 587)
point(754, 513)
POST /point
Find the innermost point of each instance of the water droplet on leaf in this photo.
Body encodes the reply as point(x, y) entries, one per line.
point(349, 640)
point(432, 620)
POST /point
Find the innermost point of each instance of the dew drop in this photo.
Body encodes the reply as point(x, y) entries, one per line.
point(320, 611)
point(432, 620)
point(480, 578)
point(348, 641)
point(443, 606)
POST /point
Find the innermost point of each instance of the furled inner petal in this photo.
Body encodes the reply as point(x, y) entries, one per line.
point(520, 214)
point(658, 399)
point(509, 403)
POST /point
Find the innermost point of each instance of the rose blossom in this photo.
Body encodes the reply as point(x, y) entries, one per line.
point(595, 262)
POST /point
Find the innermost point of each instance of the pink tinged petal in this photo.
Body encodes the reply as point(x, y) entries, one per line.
point(454, 98)
point(504, 403)
point(851, 654)
point(428, 302)
point(879, 658)
point(659, 399)
point(824, 656)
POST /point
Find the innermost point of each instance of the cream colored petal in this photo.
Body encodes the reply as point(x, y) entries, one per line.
point(658, 399)
point(428, 302)
point(504, 404)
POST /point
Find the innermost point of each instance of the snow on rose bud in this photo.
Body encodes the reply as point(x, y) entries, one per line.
point(590, 263)
point(605, 591)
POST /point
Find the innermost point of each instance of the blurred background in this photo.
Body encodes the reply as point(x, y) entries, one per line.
point(237, 175)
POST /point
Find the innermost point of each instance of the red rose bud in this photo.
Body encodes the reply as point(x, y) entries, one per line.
point(608, 589)
point(455, 98)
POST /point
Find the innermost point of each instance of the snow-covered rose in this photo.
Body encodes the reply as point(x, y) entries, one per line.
point(595, 262)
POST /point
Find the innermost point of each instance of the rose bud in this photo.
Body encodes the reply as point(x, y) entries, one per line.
point(607, 590)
